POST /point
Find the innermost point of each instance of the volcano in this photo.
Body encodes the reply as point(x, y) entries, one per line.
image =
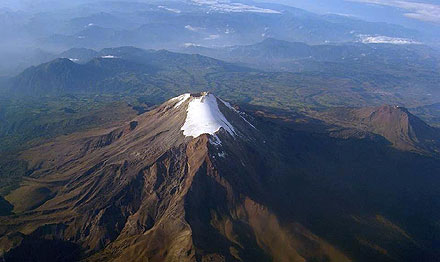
point(396, 124)
point(196, 179)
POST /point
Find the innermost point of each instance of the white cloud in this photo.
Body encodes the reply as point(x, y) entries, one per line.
point(191, 45)
point(177, 11)
point(193, 28)
point(416, 10)
point(227, 6)
point(109, 56)
point(212, 37)
point(380, 39)
point(229, 31)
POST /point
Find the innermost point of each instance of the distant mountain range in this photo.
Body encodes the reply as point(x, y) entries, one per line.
point(298, 75)
point(52, 28)
point(213, 23)
point(68, 74)
point(278, 55)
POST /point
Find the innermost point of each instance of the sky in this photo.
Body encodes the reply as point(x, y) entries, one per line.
point(427, 11)
point(420, 14)
point(396, 11)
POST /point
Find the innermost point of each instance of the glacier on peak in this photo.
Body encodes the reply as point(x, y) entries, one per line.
point(204, 116)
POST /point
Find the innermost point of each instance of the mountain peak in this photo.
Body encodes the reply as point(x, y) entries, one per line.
point(58, 62)
point(401, 128)
point(392, 109)
point(203, 115)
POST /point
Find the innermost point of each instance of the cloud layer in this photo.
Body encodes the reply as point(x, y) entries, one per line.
point(227, 6)
point(378, 39)
point(416, 10)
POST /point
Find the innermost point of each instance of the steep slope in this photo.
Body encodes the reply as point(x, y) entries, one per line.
point(48, 77)
point(79, 55)
point(396, 124)
point(65, 76)
point(197, 180)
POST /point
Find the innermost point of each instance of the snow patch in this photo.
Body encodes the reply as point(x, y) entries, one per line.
point(228, 105)
point(214, 140)
point(108, 56)
point(204, 117)
point(181, 99)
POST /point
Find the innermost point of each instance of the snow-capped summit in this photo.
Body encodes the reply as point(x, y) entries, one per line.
point(203, 115)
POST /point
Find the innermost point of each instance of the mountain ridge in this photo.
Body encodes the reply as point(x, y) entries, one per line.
point(275, 54)
point(401, 128)
point(63, 75)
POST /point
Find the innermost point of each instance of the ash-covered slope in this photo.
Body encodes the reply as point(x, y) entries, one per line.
point(197, 180)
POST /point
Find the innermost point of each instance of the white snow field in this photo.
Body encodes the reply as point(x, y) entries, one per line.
point(204, 117)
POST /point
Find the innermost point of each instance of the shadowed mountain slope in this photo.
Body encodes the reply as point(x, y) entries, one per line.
point(401, 128)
